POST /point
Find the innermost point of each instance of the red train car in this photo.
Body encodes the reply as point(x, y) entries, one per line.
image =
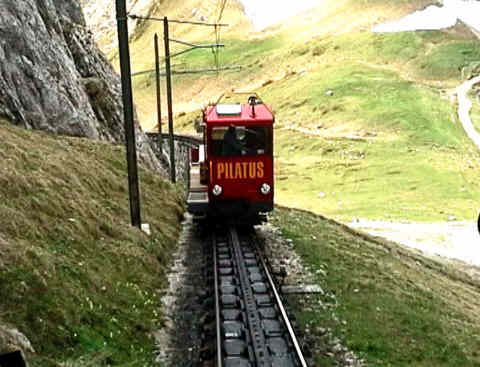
point(231, 173)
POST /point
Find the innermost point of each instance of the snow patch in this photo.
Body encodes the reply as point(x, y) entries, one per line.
point(435, 17)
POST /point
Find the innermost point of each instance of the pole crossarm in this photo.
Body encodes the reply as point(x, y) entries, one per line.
point(133, 16)
point(197, 46)
point(194, 47)
point(153, 70)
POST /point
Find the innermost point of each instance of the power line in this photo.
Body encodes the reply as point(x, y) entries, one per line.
point(222, 8)
point(182, 72)
point(217, 33)
point(133, 16)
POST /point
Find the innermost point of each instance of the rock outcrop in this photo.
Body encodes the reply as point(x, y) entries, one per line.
point(54, 78)
point(100, 16)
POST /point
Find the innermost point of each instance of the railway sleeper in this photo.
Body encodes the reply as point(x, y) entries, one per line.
point(252, 328)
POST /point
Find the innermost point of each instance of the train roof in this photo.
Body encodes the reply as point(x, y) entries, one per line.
point(222, 114)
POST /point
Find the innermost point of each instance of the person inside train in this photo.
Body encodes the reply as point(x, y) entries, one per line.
point(231, 144)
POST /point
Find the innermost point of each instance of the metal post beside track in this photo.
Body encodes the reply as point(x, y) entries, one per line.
point(169, 98)
point(159, 105)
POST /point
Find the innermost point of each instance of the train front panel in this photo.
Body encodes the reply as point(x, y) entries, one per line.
point(241, 186)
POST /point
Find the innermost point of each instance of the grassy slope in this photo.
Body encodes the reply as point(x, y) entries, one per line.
point(392, 307)
point(392, 90)
point(76, 278)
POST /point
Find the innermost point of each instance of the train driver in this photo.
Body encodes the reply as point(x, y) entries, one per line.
point(231, 144)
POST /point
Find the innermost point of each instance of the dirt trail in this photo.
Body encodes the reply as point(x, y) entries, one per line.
point(455, 239)
point(464, 106)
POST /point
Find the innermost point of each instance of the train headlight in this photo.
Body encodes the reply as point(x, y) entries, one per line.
point(217, 190)
point(265, 189)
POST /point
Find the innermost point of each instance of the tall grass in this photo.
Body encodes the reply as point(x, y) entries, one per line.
point(389, 305)
point(77, 279)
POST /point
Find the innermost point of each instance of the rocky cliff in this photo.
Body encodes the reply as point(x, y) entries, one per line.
point(54, 78)
point(100, 16)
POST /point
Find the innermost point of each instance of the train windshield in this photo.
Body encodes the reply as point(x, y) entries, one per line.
point(240, 140)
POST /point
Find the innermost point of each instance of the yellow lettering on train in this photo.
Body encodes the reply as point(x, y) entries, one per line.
point(220, 170)
point(260, 171)
point(240, 170)
point(245, 169)
point(251, 170)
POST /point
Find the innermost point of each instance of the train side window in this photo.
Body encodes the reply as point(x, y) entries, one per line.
point(217, 136)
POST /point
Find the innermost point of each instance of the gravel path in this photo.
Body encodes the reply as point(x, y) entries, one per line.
point(454, 240)
point(464, 106)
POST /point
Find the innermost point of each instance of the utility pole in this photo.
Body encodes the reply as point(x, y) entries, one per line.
point(169, 98)
point(159, 106)
point(168, 72)
point(122, 28)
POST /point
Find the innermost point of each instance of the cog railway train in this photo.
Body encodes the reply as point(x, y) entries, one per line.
point(231, 173)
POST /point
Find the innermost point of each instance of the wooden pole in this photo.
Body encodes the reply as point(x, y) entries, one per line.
point(122, 27)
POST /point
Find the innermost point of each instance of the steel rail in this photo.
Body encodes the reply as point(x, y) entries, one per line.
point(217, 304)
point(284, 315)
point(264, 331)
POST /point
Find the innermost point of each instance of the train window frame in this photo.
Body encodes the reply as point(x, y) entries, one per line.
point(264, 147)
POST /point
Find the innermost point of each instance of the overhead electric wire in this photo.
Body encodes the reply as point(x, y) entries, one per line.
point(131, 8)
point(222, 5)
point(134, 16)
point(217, 25)
point(222, 8)
point(183, 72)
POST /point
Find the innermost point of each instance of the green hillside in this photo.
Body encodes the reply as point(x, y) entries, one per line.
point(389, 305)
point(386, 145)
point(76, 278)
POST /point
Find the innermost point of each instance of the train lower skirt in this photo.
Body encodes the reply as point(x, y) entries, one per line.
point(228, 211)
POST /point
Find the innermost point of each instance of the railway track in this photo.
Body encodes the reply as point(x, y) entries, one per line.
point(252, 326)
